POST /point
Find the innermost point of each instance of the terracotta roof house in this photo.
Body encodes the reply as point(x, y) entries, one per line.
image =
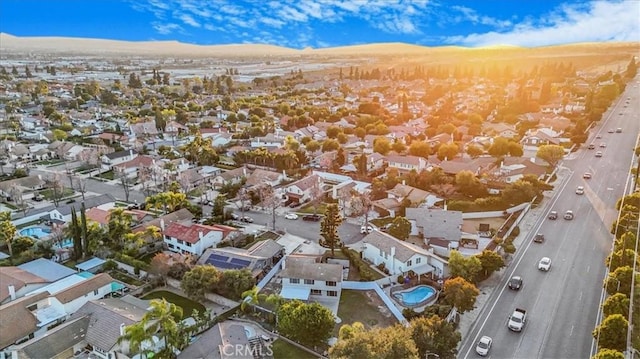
point(193, 238)
point(401, 257)
point(16, 283)
point(435, 223)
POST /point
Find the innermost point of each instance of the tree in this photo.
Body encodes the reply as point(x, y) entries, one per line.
point(233, 283)
point(420, 149)
point(490, 261)
point(467, 182)
point(435, 335)
point(616, 304)
point(620, 258)
point(381, 145)
point(499, 147)
point(619, 281)
point(448, 151)
point(552, 154)
point(199, 280)
point(380, 343)
point(329, 226)
point(309, 324)
point(474, 151)
point(612, 333)
point(162, 318)
point(460, 293)
point(400, 228)
point(21, 244)
point(159, 266)
point(515, 149)
point(467, 268)
point(608, 354)
point(118, 226)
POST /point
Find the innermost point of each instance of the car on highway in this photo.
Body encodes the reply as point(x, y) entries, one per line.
point(553, 215)
point(291, 216)
point(544, 264)
point(311, 218)
point(483, 346)
point(366, 229)
point(568, 215)
point(611, 130)
point(587, 175)
point(599, 154)
point(515, 282)
point(619, 130)
point(539, 238)
point(580, 190)
point(592, 147)
point(603, 145)
point(598, 136)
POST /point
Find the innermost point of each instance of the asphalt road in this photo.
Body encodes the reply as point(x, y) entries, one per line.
point(563, 304)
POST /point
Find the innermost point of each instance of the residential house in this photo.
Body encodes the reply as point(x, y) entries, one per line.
point(115, 158)
point(511, 169)
point(233, 176)
point(406, 164)
point(541, 136)
point(258, 259)
point(62, 214)
point(19, 322)
point(499, 130)
point(131, 169)
point(435, 223)
point(16, 283)
point(305, 279)
point(412, 196)
point(144, 129)
point(303, 190)
point(47, 269)
point(477, 166)
point(260, 177)
point(24, 186)
point(269, 140)
point(73, 291)
point(221, 341)
point(194, 238)
point(401, 257)
point(62, 341)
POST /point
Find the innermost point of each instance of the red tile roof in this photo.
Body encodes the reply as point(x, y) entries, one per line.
point(190, 232)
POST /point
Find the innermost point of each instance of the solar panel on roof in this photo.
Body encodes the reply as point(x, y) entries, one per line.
point(223, 264)
point(219, 257)
point(241, 262)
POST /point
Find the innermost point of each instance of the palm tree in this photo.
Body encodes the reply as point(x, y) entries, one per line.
point(162, 317)
point(251, 297)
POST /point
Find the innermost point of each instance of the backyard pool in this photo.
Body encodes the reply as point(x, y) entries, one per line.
point(415, 296)
point(66, 243)
point(35, 232)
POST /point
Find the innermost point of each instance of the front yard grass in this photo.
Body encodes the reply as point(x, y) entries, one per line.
point(186, 304)
point(363, 306)
point(107, 175)
point(284, 350)
point(48, 193)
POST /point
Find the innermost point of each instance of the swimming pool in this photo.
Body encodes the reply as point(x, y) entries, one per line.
point(35, 232)
point(66, 243)
point(415, 296)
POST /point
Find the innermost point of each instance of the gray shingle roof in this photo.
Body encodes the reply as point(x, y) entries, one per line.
point(404, 250)
point(437, 223)
point(55, 341)
point(47, 269)
point(305, 269)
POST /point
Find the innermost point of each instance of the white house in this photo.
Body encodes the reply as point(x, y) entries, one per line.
point(405, 164)
point(304, 279)
point(192, 238)
point(401, 257)
point(304, 190)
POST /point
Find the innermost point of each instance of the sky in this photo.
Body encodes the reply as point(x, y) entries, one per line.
point(329, 23)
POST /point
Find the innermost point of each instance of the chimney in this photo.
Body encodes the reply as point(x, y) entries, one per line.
point(162, 224)
point(122, 329)
point(404, 183)
point(12, 291)
point(393, 252)
point(131, 154)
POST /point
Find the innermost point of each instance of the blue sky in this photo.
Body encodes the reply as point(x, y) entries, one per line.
point(329, 23)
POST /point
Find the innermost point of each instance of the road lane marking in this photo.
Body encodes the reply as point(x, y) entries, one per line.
point(580, 299)
point(589, 267)
point(571, 333)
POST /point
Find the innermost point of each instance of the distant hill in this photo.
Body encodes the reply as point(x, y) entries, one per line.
point(60, 45)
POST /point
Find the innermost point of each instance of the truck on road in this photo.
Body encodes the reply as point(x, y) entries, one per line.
point(517, 320)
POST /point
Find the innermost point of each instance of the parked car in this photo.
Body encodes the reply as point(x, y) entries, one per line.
point(291, 216)
point(539, 238)
point(311, 218)
point(580, 190)
point(484, 345)
point(544, 264)
point(246, 219)
point(366, 229)
point(235, 216)
point(515, 282)
point(38, 197)
point(586, 175)
point(553, 215)
point(385, 227)
point(599, 154)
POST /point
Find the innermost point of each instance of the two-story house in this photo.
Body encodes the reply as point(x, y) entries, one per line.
point(115, 158)
point(305, 279)
point(304, 190)
point(193, 238)
point(406, 164)
point(400, 257)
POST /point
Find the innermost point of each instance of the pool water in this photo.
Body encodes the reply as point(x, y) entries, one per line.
point(415, 296)
point(66, 243)
point(35, 232)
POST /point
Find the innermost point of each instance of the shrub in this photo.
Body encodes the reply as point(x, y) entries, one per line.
point(401, 279)
point(110, 265)
point(515, 232)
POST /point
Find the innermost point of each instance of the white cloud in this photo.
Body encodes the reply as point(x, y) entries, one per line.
point(189, 20)
point(166, 29)
point(595, 21)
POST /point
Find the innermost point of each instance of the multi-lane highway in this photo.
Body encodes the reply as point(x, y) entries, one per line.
point(562, 304)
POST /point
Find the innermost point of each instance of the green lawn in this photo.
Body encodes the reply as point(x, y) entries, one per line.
point(106, 175)
point(284, 350)
point(186, 304)
point(355, 306)
point(48, 193)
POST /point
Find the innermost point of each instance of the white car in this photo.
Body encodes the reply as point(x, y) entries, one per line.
point(366, 229)
point(291, 216)
point(580, 190)
point(544, 264)
point(484, 345)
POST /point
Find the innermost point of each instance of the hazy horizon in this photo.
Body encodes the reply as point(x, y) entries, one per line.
point(328, 23)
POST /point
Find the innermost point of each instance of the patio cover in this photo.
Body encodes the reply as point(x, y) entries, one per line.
point(423, 269)
point(295, 293)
